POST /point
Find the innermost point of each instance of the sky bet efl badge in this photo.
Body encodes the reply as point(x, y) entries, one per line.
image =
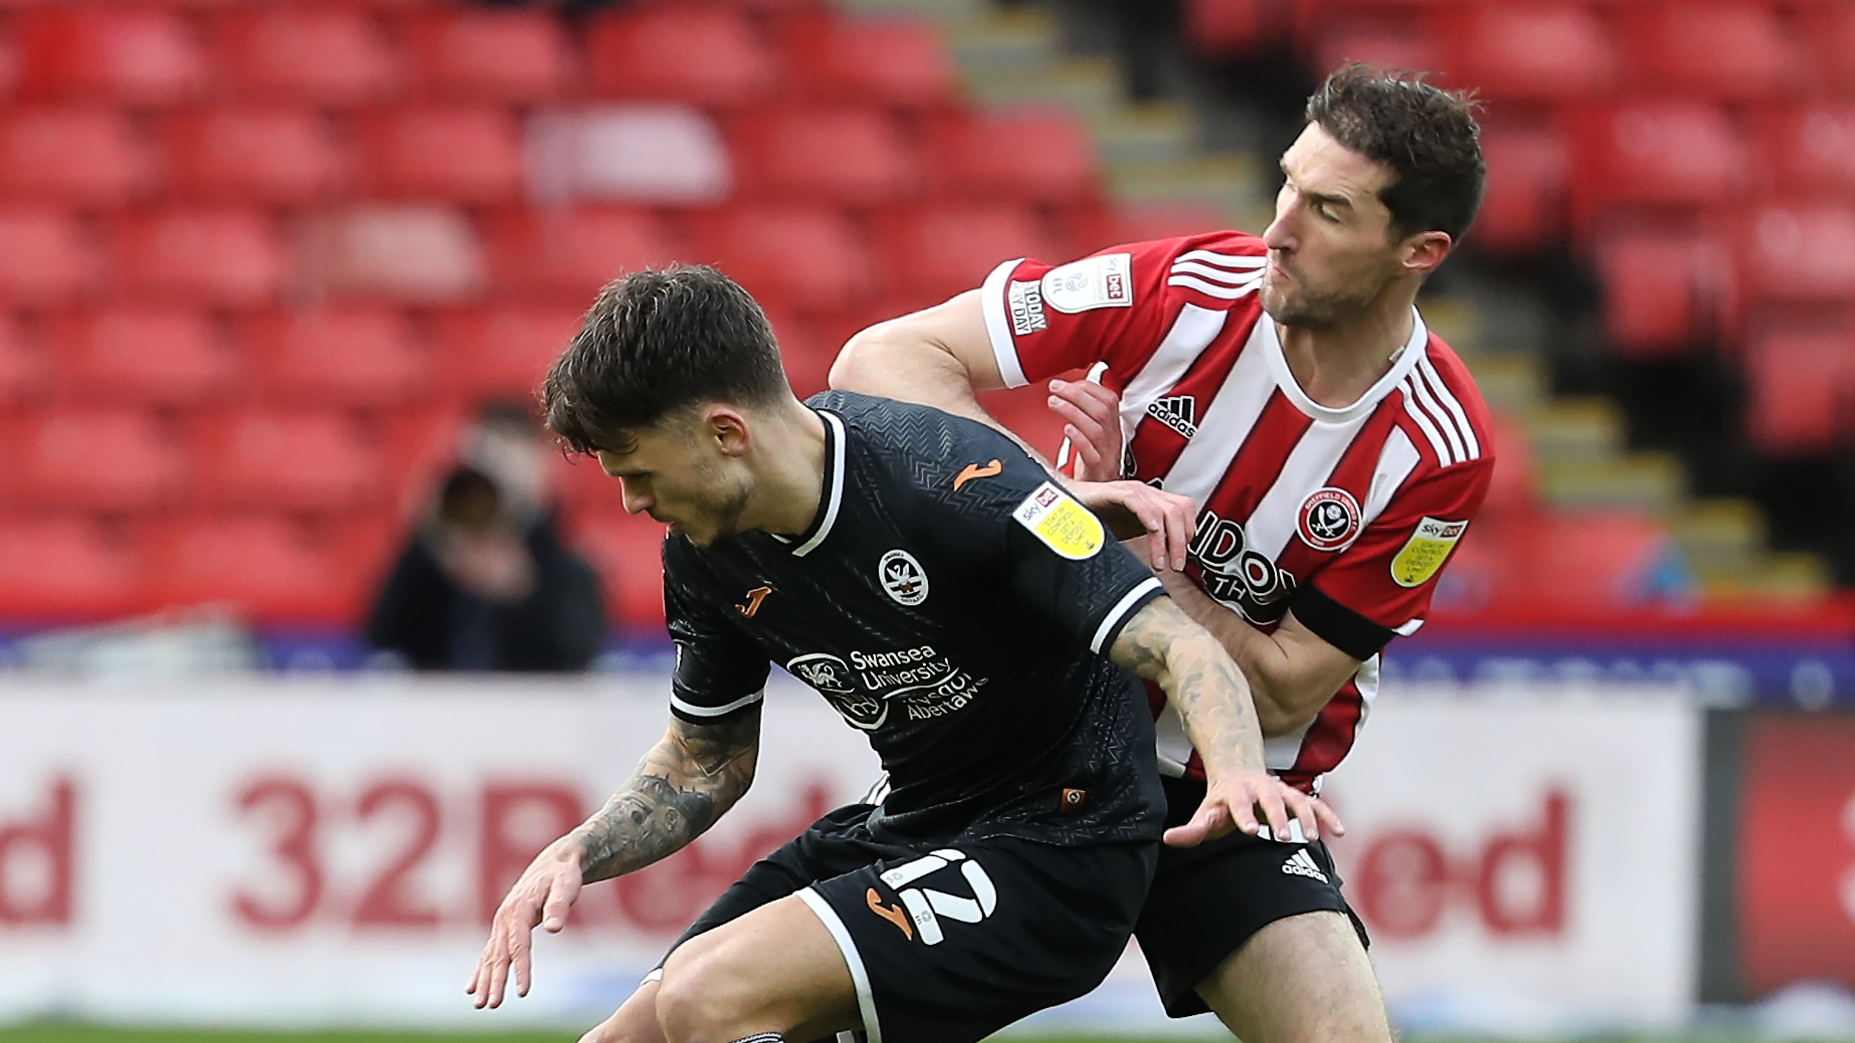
point(1426, 550)
point(1064, 525)
point(1093, 282)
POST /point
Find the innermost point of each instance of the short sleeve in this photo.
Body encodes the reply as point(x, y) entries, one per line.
point(719, 671)
point(1381, 586)
point(1114, 306)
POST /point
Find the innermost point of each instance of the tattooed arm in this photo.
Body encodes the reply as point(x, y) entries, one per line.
point(1164, 645)
point(693, 775)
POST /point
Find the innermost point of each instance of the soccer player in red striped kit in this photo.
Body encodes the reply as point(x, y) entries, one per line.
point(1301, 454)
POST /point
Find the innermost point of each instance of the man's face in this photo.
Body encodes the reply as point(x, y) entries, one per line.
point(678, 472)
point(1331, 248)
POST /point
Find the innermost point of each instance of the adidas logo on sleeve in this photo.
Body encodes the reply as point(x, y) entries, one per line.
point(1302, 864)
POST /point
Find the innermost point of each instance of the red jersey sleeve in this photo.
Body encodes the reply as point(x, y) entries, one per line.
point(1113, 306)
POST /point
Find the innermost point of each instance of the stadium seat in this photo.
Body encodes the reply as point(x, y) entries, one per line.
point(932, 253)
point(470, 155)
point(84, 156)
point(1229, 28)
point(269, 568)
point(60, 569)
point(22, 368)
point(110, 460)
point(850, 157)
point(263, 155)
point(1139, 222)
point(503, 353)
point(645, 152)
point(564, 256)
point(288, 460)
point(808, 260)
point(1400, 36)
point(1592, 561)
point(1674, 153)
point(46, 257)
point(1513, 489)
point(1812, 149)
point(1662, 291)
point(627, 551)
point(1727, 49)
point(1533, 52)
point(709, 55)
point(517, 55)
point(332, 54)
point(1029, 155)
point(901, 62)
point(424, 254)
point(1524, 207)
point(1830, 30)
point(338, 356)
point(153, 354)
point(131, 55)
point(1798, 252)
point(807, 347)
point(1802, 391)
point(228, 257)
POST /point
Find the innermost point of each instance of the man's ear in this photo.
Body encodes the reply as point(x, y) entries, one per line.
point(1424, 251)
point(727, 426)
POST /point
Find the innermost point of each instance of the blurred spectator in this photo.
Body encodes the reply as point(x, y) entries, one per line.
point(485, 583)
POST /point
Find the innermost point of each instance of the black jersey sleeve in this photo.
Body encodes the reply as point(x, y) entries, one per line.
point(1065, 565)
point(719, 672)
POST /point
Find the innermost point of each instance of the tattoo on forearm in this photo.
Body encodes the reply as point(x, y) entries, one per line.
point(679, 789)
point(1164, 645)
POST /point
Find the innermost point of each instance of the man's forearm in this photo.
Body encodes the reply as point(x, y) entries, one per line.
point(1162, 644)
point(1283, 702)
point(679, 789)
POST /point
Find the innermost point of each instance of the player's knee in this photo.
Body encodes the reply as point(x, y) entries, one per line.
point(699, 1001)
point(635, 1022)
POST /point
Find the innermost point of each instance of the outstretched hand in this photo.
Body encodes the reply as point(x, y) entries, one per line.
point(1231, 806)
point(541, 897)
point(1092, 423)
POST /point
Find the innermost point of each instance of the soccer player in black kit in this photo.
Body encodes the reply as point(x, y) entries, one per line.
point(933, 583)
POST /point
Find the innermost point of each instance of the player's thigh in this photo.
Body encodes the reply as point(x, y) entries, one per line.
point(1300, 979)
point(775, 969)
point(635, 1021)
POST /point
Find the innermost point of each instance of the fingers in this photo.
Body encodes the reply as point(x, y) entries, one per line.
point(1274, 807)
point(1329, 818)
point(560, 897)
point(1094, 441)
point(1214, 818)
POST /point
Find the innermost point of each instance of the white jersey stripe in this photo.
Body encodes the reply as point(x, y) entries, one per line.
point(1396, 461)
point(998, 325)
point(1307, 468)
point(1227, 422)
point(1441, 390)
point(1423, 423)
point(1120, 609)
point(1191, 333)
point(1214, 274)
point(716, 711)
point(1223, 260)
point(1228, 293)
point(1437, 413)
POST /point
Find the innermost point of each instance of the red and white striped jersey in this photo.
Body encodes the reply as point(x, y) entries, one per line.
point(1345, 516)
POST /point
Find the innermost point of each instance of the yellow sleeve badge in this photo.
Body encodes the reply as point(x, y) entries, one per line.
point(1064, 525)
point(1424, 553)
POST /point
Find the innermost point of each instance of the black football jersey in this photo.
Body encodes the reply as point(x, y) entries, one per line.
point(950, 600)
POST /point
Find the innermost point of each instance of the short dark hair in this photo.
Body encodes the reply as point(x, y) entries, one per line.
point(1426, 135)
point(657, 341)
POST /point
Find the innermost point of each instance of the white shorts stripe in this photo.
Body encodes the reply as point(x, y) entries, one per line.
point(1228, 293)
point(859, 976)
point(998, 325)
point(1443, 395)
point(1214, 274)
point(716, 711)
point(1121, 608)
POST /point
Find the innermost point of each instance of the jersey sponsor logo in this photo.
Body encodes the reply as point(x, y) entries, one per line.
point(1093, 282)
point(903, 578)
point(833, 679)
point(1025, 302)
point(754, 598)
point(1422, 556)
point(1179, 412)
point(1237, 575)
point(925, 683)
point(1329, 519)
point(926, 906)
point(1064, 526)
point(989, 469)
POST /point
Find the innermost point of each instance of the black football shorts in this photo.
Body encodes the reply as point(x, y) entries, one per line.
point(949, 942)
point(1208, 900)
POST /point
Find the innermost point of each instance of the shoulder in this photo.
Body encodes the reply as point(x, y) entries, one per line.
point(1450, 422)
point(931, 441)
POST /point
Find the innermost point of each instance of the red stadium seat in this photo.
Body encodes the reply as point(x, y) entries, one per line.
point(1533, 51)
point(853, 157)
point(807, 347)
point(933, 253)
point(1513, 489)
point(1830, 29)
point(1398, 36)
point(1728, 49)
point(805, 259)
point(120, 460)
point(1812, 149)
point(503, 353)
point(883, 61)
point(288, 460)
point(218, 256)
point(22, 368)
point(1798, 252)
point(135, 55)
point(1227, 28)
point(1030, 155)
point(330, 54)
point(709, 55)
point(66, 569)
point(565, 256)
point(156, 354)
point(46, 257)
point(262, 155)
point(1662, 291)
point(471, 155)
point(1675, 153)
point(627, 551)
point(415, 253)
point(91, 157)
point(1802, 388)
point(508, 55)
point(1139, 222)
point(342, 356)
point(649, 152)
point(1586, 561)
point(1524, 208)
point(270, 568)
